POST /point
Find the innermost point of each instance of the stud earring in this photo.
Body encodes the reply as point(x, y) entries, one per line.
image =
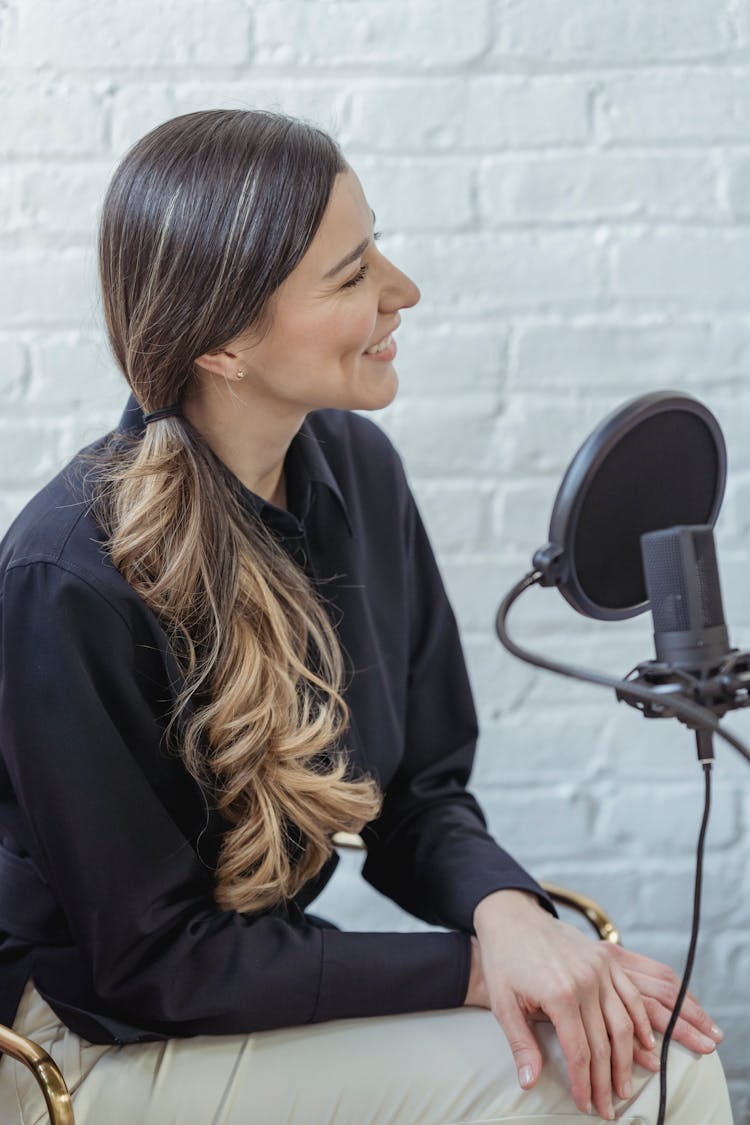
point(240, 374)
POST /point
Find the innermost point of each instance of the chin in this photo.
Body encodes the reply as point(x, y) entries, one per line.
point(377, 397)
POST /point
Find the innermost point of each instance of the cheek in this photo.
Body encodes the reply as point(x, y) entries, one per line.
point(357, 330)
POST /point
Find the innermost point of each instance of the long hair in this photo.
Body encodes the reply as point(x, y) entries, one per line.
point(204, 219)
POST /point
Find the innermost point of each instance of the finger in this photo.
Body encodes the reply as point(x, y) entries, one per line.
point(522, 1042)
point(656, 979)
point(602, 1060)
point(636, 1009)
point(684, 1032)
point(648, 1059)
point(566, 1019)
point(620, 1030)
point(665, 992)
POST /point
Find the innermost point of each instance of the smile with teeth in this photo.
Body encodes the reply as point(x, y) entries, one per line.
point(386, 343)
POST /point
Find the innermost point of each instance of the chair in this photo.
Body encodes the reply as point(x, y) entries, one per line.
point(46, 1072)
point(52, 1083)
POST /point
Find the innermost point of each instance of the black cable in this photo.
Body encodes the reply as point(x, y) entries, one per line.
point(691, 949)
point(687, 710)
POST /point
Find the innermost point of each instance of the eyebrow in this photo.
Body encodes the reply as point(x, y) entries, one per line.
point(357, 252)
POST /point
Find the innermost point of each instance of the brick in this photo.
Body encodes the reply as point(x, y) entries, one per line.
point(52, 116)
point(526, 112)
point(455, 513)
point(675, 105)
point(520, 188)
point(29, 452)
point(47, 288)
point(661, 750)
point(446, 355)
point(739, 186)
point(14, 370)
point(476, 586)
point(523, 821)
point(501, 684)
point(405, 115)
point(561, 745)
point(84, 428)
point(630, 357)
point(664, 891)
point(76, 373)
point(478, 114)
point(137, 108)
point(673, 817)
point(132, 33)
point(607, 31)
point(520, 515)
point(422, 34)
point(434, 441)
point(59, 204)
point(8, 33)
point(499, 271)
point(537, 435)
point(692, 268)
point(419, 194)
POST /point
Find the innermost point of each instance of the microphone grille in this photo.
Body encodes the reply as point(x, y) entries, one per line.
point(665, 580)
point(682, 579)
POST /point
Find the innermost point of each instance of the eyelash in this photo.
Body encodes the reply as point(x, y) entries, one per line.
point(360, 274)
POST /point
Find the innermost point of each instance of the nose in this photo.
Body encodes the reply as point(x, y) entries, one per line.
point(399, 291)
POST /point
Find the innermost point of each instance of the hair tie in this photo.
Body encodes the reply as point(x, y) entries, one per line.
point(172, 411)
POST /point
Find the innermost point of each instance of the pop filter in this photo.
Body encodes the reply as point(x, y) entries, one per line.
point(656, 462)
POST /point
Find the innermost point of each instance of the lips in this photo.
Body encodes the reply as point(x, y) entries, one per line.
point(381, 346)
point(384, 341)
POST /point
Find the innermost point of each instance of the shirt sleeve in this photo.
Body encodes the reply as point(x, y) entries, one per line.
point(430, 850)
point(80, 732)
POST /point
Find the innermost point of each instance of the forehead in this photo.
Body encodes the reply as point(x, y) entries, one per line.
point(346, 222)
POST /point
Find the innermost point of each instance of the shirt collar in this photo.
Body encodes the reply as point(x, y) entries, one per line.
point(306, 465)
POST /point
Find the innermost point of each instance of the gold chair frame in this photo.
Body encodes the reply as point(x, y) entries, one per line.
point(52, 1083)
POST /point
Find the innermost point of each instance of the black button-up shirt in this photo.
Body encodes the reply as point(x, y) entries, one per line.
point(108, 847)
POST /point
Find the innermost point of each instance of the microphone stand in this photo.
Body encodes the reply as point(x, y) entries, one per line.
point(658, 691)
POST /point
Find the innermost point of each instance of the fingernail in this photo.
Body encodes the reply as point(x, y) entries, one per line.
point(610, 1112)
point(525, 1076)
point(652, 1039)
point(708, 1044)
point(627, 1089)
point(717, 1033)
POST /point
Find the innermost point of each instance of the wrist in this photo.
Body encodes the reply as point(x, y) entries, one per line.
point(501, 905)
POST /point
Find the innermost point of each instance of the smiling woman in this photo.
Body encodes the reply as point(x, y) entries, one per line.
point(224, 640)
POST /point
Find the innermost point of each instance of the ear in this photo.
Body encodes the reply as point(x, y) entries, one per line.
point(222, 363)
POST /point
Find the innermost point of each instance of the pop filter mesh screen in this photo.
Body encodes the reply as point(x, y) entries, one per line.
point(662, 472)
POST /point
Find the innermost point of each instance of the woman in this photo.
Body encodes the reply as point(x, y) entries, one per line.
point(224, 640)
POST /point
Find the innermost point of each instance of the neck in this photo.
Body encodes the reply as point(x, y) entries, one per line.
point(251, 437)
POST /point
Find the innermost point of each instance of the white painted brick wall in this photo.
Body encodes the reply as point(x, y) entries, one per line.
point(569, 183)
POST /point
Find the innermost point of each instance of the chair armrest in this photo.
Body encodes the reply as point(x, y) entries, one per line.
point(46, 1072)
point(591, 910)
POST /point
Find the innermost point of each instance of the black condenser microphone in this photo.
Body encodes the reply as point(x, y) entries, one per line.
point(682, 580)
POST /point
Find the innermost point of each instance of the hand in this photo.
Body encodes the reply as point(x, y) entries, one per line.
point(601, 999)
point(658, 986)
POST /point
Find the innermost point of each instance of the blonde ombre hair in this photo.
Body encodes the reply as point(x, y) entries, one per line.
point(203, 220)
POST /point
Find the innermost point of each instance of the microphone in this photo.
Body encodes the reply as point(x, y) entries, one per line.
point(682, 581)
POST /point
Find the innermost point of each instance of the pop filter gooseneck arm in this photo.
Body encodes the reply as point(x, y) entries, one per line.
point(666, 702)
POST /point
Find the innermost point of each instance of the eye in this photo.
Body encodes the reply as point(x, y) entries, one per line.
point(359, 276)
